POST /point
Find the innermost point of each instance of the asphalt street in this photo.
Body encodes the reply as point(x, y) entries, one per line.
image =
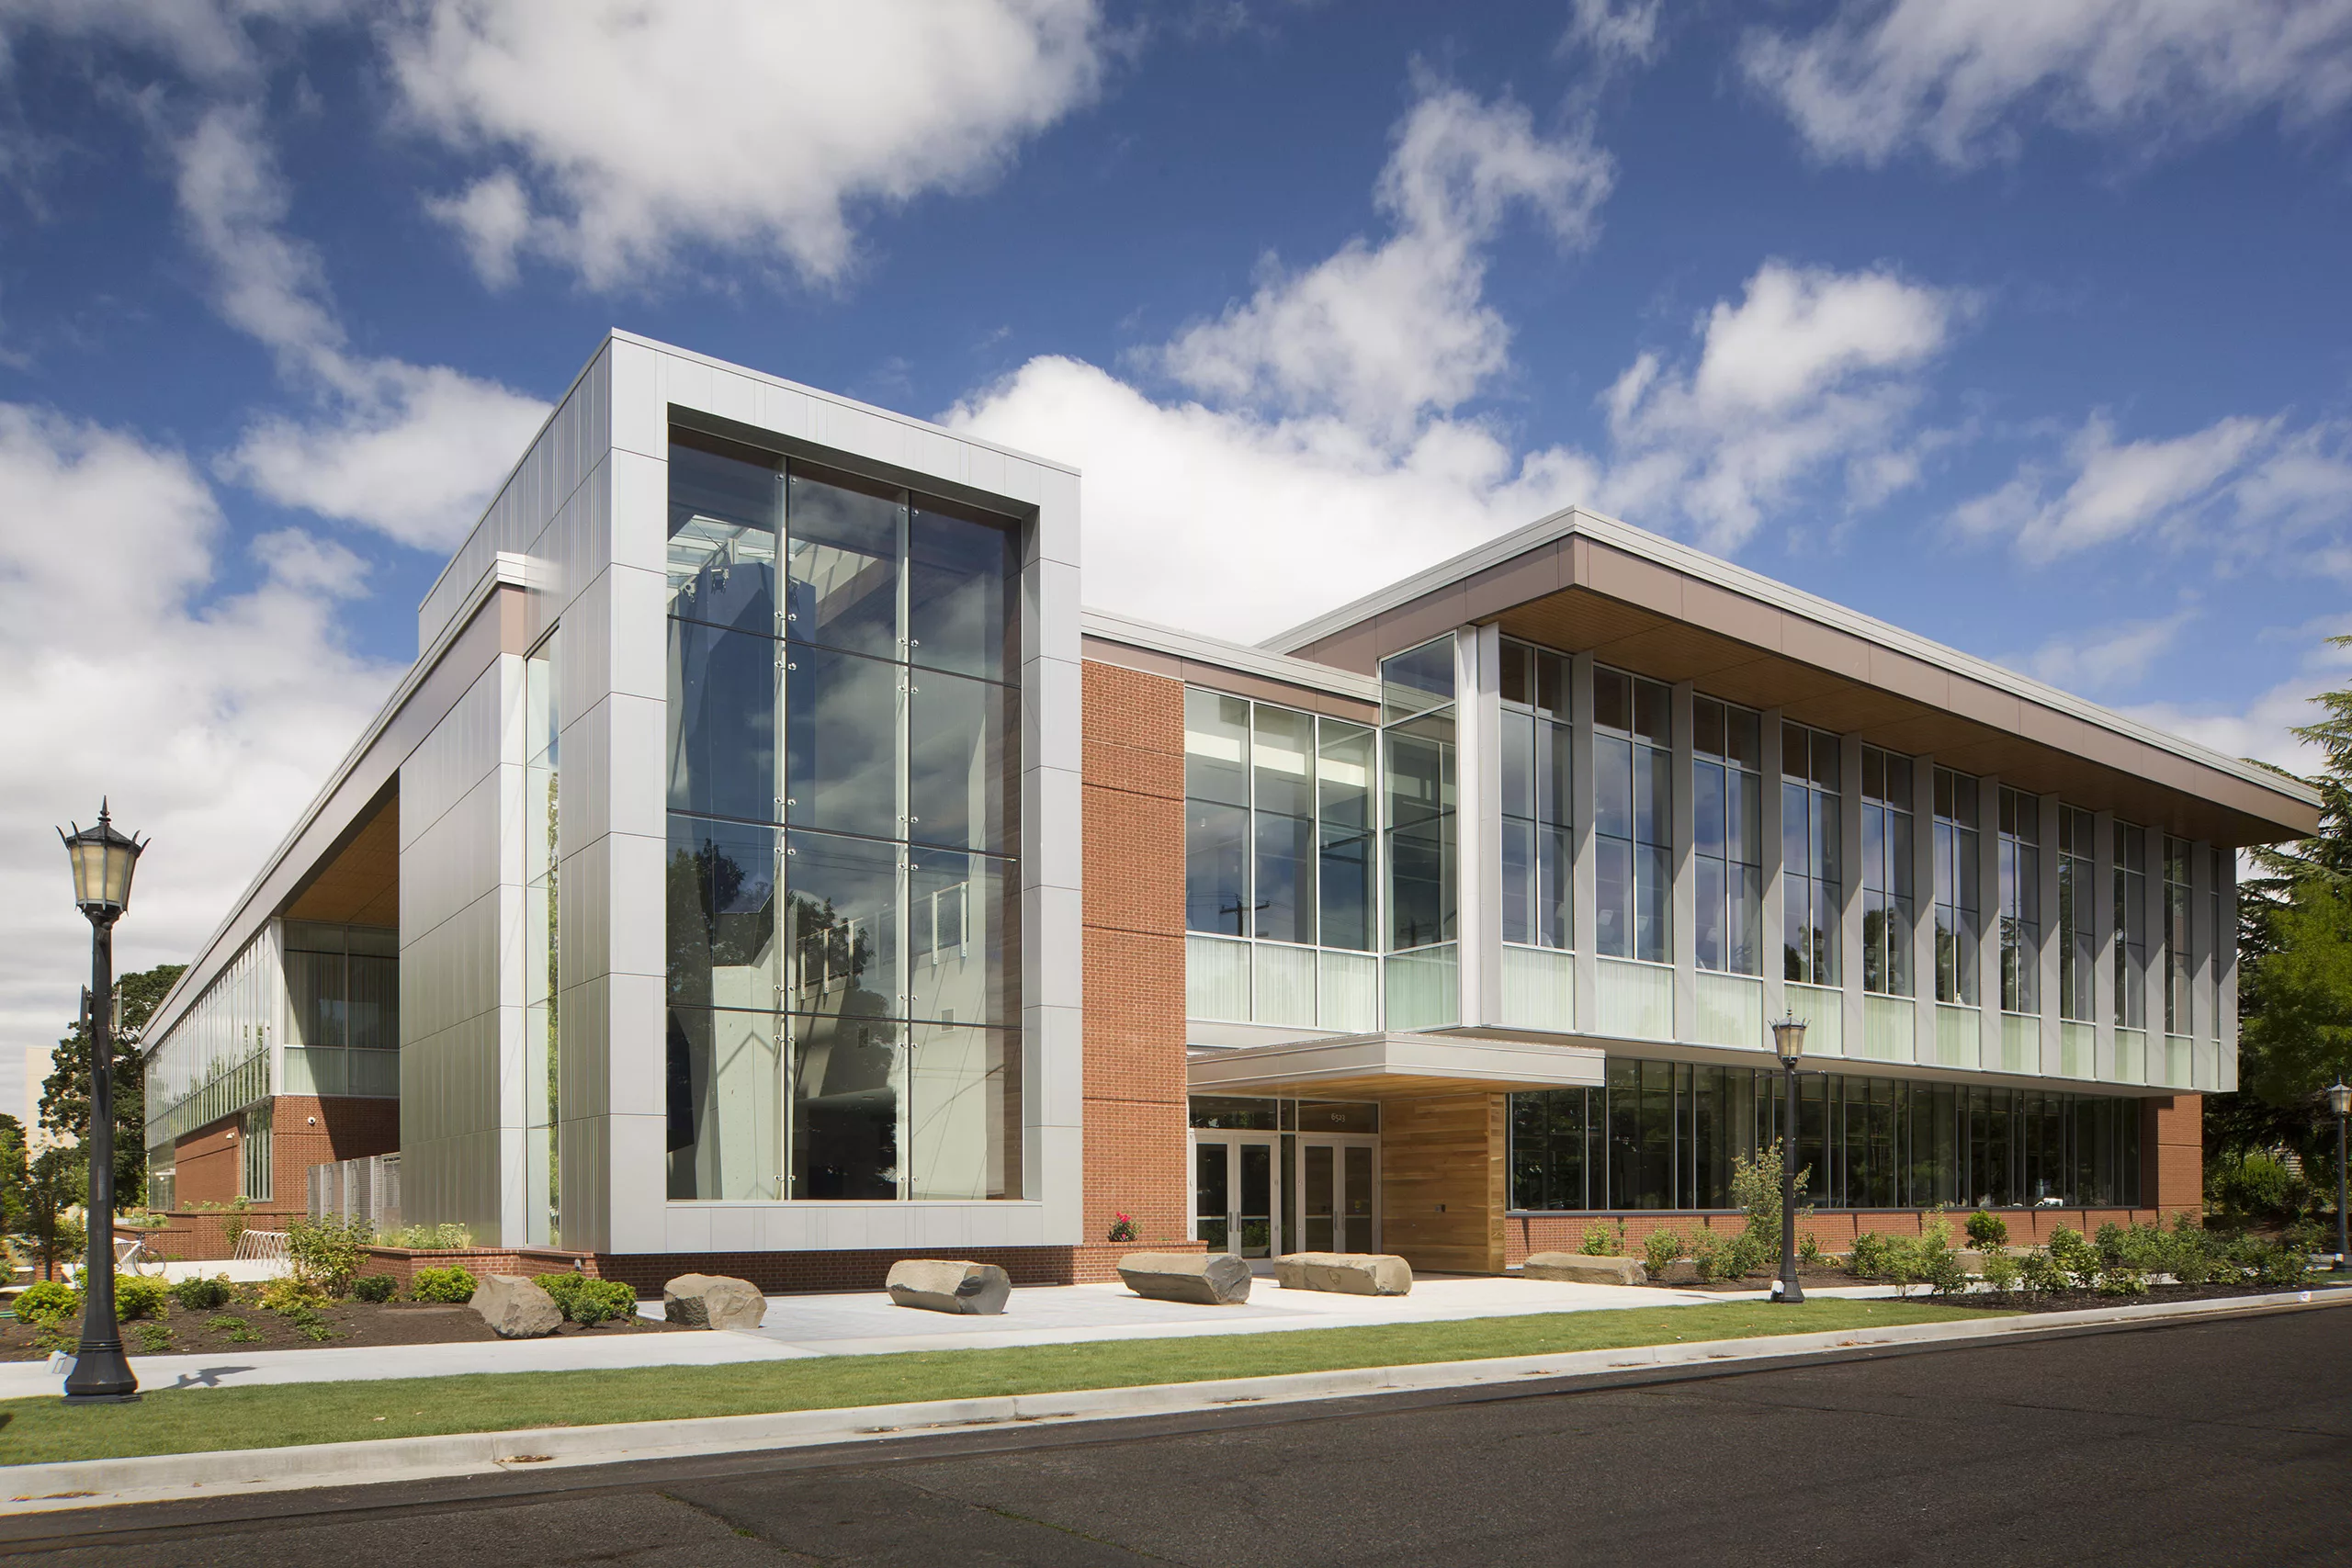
point(2226, 1442)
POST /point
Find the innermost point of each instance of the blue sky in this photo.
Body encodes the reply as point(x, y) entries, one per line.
point(2022, 324)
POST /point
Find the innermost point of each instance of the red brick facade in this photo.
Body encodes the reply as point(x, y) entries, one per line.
point(305, 1130)
point(1134, 916)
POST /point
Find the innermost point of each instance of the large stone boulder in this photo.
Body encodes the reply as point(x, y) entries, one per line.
point(1349, 1273)
point(713, 1301)
point(977, 1290)
point(515, 1306)
point(1583, 1268)
point(1206, 1278)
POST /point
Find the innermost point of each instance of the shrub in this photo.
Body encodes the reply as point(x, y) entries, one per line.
point(1808, 1249)
point(327, 1252)
point(375, 1286)
point(200, 1292)
point(224, 1323)
point(434, 1238)
point(2077, 1257)
point(1745, 1254)
point(1927, 1259)
point(2001, 1271)
point(291, 1295)
point(1662, 1247)
point(2122, 1281)
point(1987, 1231)
point(137, 1297)
point(153, 1339)
point(450, 1284)
point(2279, 1264)
point(1755, 1192)
point(1873, 1257)
point(2109, 1242)
point(2040, 1273)
point(1604, 1238)
point(48, 1301)
point(1123, 1228)
point(589, 1302)
point(2254, 1183)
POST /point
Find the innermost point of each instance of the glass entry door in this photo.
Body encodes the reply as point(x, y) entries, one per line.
point(1234, 1194)
point(1338, 1195)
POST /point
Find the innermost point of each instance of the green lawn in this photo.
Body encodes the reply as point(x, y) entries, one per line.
point(192, 1420)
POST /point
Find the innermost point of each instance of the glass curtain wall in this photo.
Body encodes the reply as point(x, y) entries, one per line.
point(343, 1017)
point(2179, 948)
point(2131, 926)
point(1886, 873)
point(1727, 816)
point(1957, 873)
point(1809, 839)
point(1278, 849)
point(2077, 912)
point(1418, 821)
point(2020, 901)
point(1633, 759)
point(1537, 810)
point(542, 722)
point(1666, 1135)
point(844, 910)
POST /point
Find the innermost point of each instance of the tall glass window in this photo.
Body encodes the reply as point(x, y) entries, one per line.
point(1217, 813)
point(2020, 901)
point(1957, 869)
point(2131, 926)
point(2179, 940)
point(1417, 704)
point(2078, 911)
point(1536, 799)
point(1886, 873)
point(542, 1156)
point(1727, 816)
point(843, 757)
point(1633, 760)
point(1809, 871)
point(2218, 879)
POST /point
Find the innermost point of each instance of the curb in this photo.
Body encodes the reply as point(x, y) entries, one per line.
point(86, 1483)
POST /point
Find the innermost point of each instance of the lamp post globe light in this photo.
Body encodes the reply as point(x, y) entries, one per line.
point(1788, 1044)
point(2339, 1100)
point(102, 860)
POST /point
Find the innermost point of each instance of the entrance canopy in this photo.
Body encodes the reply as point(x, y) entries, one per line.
point(1384, 1066)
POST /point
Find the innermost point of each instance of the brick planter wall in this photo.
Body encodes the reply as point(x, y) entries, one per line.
point(403, 1262)
point(205, 1237)
point(1834, 1229)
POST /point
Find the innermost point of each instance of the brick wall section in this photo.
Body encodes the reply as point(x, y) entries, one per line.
point(1134, 918)
point(305, 1130)
point(2172, 1145)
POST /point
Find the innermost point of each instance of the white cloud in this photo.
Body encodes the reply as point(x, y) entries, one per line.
point(2114, 658)
point(2262, 728)
point(2240, 485)
point(636, 130)
point(1810, 369)
point(1614, 34)
point(125, 671)
point(210, 40)
point(410, 450)
point(1965, 79)
point(1385, 335)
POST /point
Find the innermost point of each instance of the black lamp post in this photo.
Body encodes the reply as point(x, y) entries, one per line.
point(103, 861)
point(1788, 1042)
point(2339, 1100)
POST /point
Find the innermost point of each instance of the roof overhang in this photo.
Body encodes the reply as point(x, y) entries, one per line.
point(1380, 1066)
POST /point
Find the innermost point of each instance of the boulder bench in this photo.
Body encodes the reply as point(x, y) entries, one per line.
point(1583, 1268)
point(1347, 1273)
point(1204, 1279)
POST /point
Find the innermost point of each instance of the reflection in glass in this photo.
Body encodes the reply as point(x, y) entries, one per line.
point(721, 923)
point(1282, 765)
point(844, 897)
point(723, 504)
point(963, 938)
point(722, 723)
point(1343, 787)
point(842, 717)
point(963, 745)
point(847, 1078)
point(964, 1111)
point(724, 1074)
point(843, 540)
point(960, 572)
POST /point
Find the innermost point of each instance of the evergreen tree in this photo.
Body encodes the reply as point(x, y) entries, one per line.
point(66, 1093)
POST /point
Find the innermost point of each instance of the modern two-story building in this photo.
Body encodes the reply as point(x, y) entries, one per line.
point(769, 865)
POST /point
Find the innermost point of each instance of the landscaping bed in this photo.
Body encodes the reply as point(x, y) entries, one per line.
point(2160, 1295)
point(240, 1326)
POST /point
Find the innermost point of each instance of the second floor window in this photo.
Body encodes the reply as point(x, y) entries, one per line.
point(2077, 912)
point(1727, 800)
point(1633, 755)
point(2180, 949)
point(2020, 901)
point(1277, 823)
point(1957, 874)
point(1886, 873)
point(1809, 870)
point(2131, 926)
point(1537, 815)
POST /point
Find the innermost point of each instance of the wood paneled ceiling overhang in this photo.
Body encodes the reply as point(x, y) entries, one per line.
point(1580, 594)
point(359, 882)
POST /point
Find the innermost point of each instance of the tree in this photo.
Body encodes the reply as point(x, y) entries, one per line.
point(14, 1174)
point(66, 1093)
point(2295, 967)
point(55, 1182)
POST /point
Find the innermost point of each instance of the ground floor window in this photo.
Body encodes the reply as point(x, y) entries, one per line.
point(1665, 1134)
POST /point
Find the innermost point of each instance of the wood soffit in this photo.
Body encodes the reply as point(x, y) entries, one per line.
point(359, 882)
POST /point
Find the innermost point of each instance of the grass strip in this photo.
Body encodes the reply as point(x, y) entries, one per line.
point(197, 1420)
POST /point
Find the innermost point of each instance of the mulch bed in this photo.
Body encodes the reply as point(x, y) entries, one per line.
point(351, 1322)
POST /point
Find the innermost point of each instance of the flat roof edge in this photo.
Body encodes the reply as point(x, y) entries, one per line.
point(1240, 657)
point(1695, 562)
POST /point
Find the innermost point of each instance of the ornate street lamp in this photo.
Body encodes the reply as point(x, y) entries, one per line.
point(2339, 1100)
point(1788, 1044)
point(103, 861)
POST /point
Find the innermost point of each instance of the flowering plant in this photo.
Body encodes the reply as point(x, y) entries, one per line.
point(1123, 1228)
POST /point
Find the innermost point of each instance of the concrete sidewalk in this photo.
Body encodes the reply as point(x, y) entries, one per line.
point(865, 1323)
